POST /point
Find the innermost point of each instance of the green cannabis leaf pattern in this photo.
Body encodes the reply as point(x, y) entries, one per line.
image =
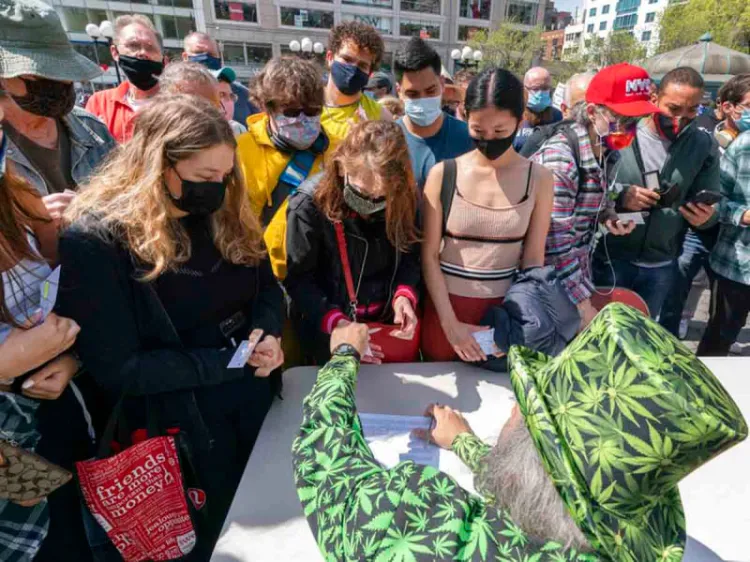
point(620, 417)
point(360, 511)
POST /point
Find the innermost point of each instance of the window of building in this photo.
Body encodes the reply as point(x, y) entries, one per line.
point(421, 6)
point(383, 24)
point(174, 3)
point(258, 53)
point(233, 53)
point(590, 28)
point(603, 26)
point(592, 12)
point(174, 27)
point(476, 9)
point(625, 22)
point(646, 36)
point(522, 13)
point(374, 3)
point(653, 1)
point(416, 28)
point(467, 32)
point(626, 6)
point(173, 54)
point(605, 9)
point(76, 19)
point(102, 50)
point(236, 11)
point(300, 17)
point(650, 17)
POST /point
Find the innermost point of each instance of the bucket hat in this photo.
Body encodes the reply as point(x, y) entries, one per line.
point(619, 418)
point(33, 41)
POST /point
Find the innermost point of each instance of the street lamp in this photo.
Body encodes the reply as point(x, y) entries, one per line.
point(467, 57)
point(104, 31)
point(306, 47)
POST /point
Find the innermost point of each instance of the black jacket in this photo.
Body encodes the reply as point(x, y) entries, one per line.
point(536, 313)
point(315, 277)
point(127, 340)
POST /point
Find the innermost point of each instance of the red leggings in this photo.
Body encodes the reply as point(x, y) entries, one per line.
point(469, 310)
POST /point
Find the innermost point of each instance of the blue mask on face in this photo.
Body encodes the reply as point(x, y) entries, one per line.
point(211, 63)
point(539, 100)
point(423, 112)
point(743, 123)
point(348, 78)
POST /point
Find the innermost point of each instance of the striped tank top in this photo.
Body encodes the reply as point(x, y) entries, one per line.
point(482, 246)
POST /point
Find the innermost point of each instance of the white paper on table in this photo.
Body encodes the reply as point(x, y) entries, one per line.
point(391, 441)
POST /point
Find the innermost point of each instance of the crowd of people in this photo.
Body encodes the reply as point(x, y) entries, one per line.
point(186, 210)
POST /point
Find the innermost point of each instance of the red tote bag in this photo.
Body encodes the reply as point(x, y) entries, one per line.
point(395, 349)
point(138, 497)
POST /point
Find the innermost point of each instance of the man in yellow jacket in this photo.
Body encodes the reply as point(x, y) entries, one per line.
point(283, 146)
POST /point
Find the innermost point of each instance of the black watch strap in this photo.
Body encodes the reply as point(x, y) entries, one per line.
point(347, 350)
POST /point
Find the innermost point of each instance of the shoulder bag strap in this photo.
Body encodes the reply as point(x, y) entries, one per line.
point(344, 255)
point(295, 172)
point(447, 189)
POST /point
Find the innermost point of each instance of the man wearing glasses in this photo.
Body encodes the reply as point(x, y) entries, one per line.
point(579, 158)
point(138, 51)
point(226, 77)
point(669, 174)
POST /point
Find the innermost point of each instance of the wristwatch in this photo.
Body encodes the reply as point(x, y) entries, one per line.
point(347, 350)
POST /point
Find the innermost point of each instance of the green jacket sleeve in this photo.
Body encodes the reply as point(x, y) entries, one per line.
point(359, 510)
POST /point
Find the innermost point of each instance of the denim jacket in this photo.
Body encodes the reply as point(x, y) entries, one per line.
point(90, 142)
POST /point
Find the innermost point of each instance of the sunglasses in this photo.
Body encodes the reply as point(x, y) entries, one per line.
point(292, 112)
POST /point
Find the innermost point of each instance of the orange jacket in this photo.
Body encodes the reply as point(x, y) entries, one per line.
point(110, 106)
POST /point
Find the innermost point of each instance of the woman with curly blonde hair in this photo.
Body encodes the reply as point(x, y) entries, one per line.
point(368, 191)
point(163, 268)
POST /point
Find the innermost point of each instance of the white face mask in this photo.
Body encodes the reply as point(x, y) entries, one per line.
point(423, 112)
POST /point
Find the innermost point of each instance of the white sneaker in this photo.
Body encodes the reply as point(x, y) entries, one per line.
point(684, 327)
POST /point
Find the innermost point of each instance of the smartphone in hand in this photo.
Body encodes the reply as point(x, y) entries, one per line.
point(706, 197)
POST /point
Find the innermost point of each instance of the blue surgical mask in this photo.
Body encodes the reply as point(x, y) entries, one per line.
point(423, 112)
point(348, 78)
point(211, 63)
point(743, 123)
point(539, 100)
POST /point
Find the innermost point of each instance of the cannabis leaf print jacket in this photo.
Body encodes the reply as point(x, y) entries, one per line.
point(360, 511)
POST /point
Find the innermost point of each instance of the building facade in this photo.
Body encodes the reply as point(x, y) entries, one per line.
point(639, 17)
point(250, 32)
point(554, 44)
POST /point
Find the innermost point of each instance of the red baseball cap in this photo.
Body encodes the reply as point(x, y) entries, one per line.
point(623, 88)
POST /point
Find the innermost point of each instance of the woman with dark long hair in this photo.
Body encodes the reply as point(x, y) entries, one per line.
point(369, 191)
point(497, 222)
point(38, 409)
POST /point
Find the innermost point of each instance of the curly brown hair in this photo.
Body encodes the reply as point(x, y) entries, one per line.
point(287, 81)
point(362, 35)
point(380, 146)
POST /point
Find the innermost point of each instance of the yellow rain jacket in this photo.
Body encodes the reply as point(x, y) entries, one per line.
point(337, 121)
point(262, 165)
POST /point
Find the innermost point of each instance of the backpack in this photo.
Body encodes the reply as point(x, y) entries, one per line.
point(542, 134)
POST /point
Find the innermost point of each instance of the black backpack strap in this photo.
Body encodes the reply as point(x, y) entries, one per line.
point(572, 137)
point(447, 189)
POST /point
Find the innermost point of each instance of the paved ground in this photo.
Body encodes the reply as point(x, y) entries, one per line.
point(701, 293)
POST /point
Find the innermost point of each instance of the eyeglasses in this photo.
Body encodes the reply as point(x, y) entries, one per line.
point(228, 96)
point(136, 47)
point(292, 112)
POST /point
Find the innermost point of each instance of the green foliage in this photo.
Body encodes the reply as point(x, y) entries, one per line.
point(728, 21)
point(615, 48)
point(509, 46)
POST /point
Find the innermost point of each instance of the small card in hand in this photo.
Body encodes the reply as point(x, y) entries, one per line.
point(245, 350)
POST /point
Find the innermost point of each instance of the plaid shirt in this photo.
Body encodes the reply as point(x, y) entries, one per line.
point(730, 257)
point(22, 529)
point(575, 212)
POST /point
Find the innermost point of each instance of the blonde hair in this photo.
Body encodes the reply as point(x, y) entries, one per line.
point(129, 19)
point(393, 104)
point(128, 197)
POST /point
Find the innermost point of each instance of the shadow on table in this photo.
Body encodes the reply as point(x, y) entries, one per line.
point(268, 489)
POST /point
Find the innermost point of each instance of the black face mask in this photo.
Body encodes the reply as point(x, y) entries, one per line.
point(200, 198)
point(141, 73)
point(494, 148)
point(48, 98)
point(671, 127)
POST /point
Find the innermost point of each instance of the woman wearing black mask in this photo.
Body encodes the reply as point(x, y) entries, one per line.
point(497, 221)
point(163, 267)
point(368, 193)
